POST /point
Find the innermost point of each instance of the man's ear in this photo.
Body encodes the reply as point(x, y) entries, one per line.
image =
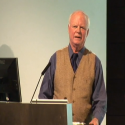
point(68, 27)
point(87, 32)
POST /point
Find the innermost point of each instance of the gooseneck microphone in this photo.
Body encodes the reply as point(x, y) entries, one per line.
point(45, 69)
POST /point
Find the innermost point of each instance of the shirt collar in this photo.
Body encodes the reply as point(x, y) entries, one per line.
point(80, 53)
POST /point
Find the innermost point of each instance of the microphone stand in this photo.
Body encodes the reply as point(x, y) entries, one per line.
point(48, 65)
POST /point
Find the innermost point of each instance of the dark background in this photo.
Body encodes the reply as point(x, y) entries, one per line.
point(115, 62)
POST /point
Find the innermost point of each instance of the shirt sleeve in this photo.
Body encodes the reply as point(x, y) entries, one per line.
point(99, 97)
point(47, 86)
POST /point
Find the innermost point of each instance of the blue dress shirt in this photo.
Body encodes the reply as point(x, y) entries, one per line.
point(99, 97)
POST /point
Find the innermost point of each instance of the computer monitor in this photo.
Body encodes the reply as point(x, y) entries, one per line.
point(10, 89)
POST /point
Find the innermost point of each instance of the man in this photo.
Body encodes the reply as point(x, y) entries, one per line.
point(80, 80)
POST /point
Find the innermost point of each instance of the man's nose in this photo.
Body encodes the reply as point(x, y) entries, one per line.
point(78, 29)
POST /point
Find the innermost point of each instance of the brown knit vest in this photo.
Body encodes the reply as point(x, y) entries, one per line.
point(76, 87)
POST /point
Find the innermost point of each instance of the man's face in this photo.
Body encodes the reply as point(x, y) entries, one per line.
point(78, 30)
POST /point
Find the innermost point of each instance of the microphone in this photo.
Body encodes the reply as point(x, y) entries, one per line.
point(45, 69)
point(48, 65)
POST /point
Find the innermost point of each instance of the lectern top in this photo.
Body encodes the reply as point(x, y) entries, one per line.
point(50, 101)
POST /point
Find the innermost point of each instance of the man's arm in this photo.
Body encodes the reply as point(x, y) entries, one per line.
point(47, 87)
point(99, 97)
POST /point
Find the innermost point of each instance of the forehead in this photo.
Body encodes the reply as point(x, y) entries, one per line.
point(78, 18)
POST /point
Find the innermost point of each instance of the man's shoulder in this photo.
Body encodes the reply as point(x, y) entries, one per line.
point(58, 51)
point(89, 53)
point(97, 60)
point(63, 49)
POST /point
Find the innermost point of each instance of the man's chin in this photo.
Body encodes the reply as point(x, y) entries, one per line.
point(77, 43)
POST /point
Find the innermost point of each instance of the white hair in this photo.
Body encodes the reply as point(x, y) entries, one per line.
point(88, 20)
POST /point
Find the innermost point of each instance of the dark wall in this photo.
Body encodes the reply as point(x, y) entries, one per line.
point(115, 62)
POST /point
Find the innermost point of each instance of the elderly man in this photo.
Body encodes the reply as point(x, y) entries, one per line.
point(76, 74)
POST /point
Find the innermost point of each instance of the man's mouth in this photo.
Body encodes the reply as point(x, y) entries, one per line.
point(78, 37)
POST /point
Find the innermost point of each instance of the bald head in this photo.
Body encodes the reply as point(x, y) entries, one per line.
point(77, 14)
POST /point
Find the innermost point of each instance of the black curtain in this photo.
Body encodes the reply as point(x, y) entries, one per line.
point(115, 62)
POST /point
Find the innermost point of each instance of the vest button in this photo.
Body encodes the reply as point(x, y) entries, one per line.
point(65, 97)
point(73, 114)
point(74, 89)
point(73, 101)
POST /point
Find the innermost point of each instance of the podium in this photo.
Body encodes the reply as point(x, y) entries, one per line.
point(35, 114)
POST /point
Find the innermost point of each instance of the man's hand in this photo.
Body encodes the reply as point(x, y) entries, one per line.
point(94, 122)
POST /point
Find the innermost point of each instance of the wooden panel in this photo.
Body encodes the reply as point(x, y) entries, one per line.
point(33, 114)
